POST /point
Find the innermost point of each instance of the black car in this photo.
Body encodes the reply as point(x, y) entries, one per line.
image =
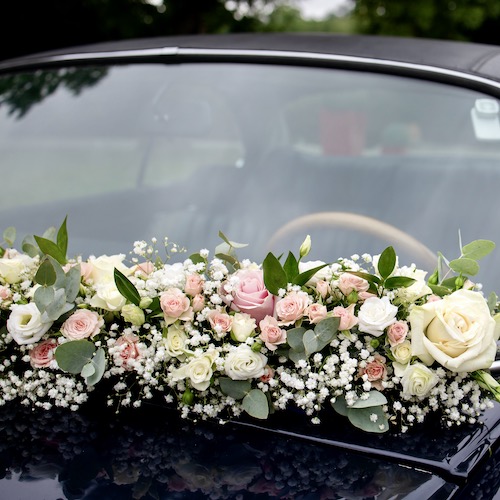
point(359, 142)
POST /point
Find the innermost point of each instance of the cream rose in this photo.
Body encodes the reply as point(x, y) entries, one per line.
point(13, 264)
point(243, 327)
point(107, 297)
point(175, 341)
point(25, 324)
point(242, 363)
point(402, 352)
point(418, 380)
point(199, 370)
point(82, 324)
point(375, 315)
point(458, 332)
point(103, 268)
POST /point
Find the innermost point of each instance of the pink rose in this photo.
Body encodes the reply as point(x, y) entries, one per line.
point(82, 324)
point(198, 303)
point(292, 307)
point(127, 351)
point(316, 313)
point(43, 353)
point(323, 288)
point(250, 295)
point(144, 269)
point(396, 333)
point(433, 298)
point(376, 371)
point(220, 322)
point(346, 315)
point(194, 284)
point(5, 292)
point(351, 283)
point(271, 333)
point(268, 374)
point(366, 295)
point(175, 305)
point(85, 270)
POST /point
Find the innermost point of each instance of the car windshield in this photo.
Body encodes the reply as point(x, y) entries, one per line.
point(266, 154)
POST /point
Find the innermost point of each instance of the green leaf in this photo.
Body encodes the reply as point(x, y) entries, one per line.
point(387, 262)
point(295, 338)
point(228, 258)
point(324, 332)
point(44, 296)
point(368, 277)
point(29, 246)
point(197, 258)
point(58, 306)
point(46, 274)
point(340, 406)
point(88, 370)
point(48, 247)
point(72, 284)
point(464, 265)
point(126, 287)
point(255, 404)
point(440, 291)
point(304, 277)
point(232, 244)
point(99, 364)
point(50, 234)
point(9, 235)
point(291, 267)
point(74, 355)
point(478, 249)
point(236, 389)
point(375, 398)
point(274, 274)
point(296, 356)
point(398, 282)
point(361, 418)
point(62, 237)
point(492, 301)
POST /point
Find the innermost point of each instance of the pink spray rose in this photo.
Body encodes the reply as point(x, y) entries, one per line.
point(198, 303)
point(346, 315)
point(220, 322)
point(82, 324)
point(316, 313)
point(194, 284)
point(396, 333)
point(376, 371)
point(271, 333)
point(175, 305)
point(250, 295)
point(351, 283)
point(292, 307)
point(43, 353)
point(144, 269)
point(127, 351)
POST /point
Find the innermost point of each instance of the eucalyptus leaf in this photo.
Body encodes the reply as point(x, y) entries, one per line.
point(227, 257)
point(72, 285)
point(58, 306)
point(375, 398)
point(327, 328)
point(362, 418)
point(48, 247)
point(492, 301)
point(317, 339)
point(30, 247)
point(340, 406)
point(386, 262)
point(231, 243)
point(464, 265)
point(274, 274)
point(46, 274)
point(99, 364)
point(478, 249)
point(296, 356)
point(255, 404)
point(295, 338)
point(72, 356)
point(236, 389)
point(196, 258)
point(9, 235)
point(43, 296)
point(50, 234)
point(88, 370)
point(126, 287)
point(398, 282)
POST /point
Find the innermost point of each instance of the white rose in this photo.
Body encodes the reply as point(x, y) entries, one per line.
point(418, 380)
point(199, 370)
point(243, 327)
point(13, 264)
point(242, 363)
point(413, 292)
point(402, 352)
point(375, 315)
point(175, 341)
point(322, 274)
point(25, 324)
point(108, 297)
point(458, 332)
point(102, 268)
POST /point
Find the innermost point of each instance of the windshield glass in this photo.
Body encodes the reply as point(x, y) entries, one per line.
point(266, 154)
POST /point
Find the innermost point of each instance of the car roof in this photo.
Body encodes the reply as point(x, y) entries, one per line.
point(479, 60)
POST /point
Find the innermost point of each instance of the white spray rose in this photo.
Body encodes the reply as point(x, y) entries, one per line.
point(418, 380)
point(25, 324)
point(199, 370)
point(175, 341)
point(243, 326)
point(107, 297)
point(13, 264)
point(242, 363)
point(102, 268)
point(375, 315)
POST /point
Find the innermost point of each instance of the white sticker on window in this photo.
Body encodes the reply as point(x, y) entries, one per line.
point(485, 119)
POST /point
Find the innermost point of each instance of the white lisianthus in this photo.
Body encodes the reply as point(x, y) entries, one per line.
point(418, 380)
point(242, 363)
point(243, 326)
point(26, 325)
point(458, 332)
point(175, 341)
point(108, 297)
point(198, 370)
point(322, 274)
point(102, 268)
point(375, 315)
point(402, 352)
point(133, 314)
point(13, 264)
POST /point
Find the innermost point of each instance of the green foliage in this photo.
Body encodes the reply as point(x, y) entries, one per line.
point(55, 249)
point(305, 342)
point(126, 288)
point(81, 357)
point(255, 403)
point(236, 389)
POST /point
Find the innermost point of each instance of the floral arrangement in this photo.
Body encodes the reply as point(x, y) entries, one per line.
point(219, 338)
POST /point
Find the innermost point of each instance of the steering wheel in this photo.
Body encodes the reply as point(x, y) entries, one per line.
point(358, 222)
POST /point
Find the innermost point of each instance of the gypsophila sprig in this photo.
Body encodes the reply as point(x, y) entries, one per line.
point(220, 338)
